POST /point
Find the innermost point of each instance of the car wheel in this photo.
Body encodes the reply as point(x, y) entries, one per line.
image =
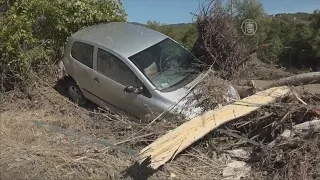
point(75, 93)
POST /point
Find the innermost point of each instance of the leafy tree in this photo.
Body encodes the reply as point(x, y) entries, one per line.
point(186, 35)
point(253, 9)
point(155, 25)
point(301, 40)
point(292, 41)
point(315, 20)
point(190, 36)
point(314, 41)
point(34, 32)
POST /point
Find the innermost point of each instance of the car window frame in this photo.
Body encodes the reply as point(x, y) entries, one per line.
point(92, 56)
point(145, 92)
point(168, 89)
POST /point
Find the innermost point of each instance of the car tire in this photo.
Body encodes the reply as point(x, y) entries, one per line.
point(75, 93)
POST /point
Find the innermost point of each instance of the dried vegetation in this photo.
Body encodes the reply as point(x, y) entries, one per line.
point(29, 150)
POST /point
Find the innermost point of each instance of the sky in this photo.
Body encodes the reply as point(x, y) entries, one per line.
point(178, 11)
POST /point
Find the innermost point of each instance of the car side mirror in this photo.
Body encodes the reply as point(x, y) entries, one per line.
point(131, 89)
point(139, 90)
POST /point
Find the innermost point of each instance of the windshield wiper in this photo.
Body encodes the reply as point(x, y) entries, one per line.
point(177, 83)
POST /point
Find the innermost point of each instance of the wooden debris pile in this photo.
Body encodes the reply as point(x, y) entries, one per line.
point(260, 132)
point(171, 144)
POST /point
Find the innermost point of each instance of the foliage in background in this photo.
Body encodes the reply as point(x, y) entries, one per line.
point(185, 34)
point(253, 9)
point(301, 43)
point(33, 32)
point(293, 39)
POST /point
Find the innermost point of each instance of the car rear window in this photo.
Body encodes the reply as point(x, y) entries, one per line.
point(83, 53)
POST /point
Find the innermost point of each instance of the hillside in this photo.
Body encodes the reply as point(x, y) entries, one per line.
point(136, 23)
point(178, 25)
point(299, 16)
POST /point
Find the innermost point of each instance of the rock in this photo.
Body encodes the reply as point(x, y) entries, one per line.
point(173, 175)
point(287, 133)
point(239, 153)
point(236, 170)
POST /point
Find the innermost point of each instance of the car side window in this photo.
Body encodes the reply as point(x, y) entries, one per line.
point(113, 68)
point(83, 53)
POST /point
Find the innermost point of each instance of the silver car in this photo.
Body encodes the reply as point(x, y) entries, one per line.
point(132, 68)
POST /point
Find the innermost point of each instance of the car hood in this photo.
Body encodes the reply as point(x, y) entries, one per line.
point(179, 99)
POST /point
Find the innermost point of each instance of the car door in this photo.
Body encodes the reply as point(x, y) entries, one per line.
point(81, 64)
point(111, 76)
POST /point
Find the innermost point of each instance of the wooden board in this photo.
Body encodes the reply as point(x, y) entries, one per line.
point(175, 141)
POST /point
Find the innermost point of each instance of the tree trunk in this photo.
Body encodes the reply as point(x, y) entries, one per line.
point(297, 80)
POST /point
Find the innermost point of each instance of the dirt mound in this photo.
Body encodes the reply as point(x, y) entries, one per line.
point(256, 69)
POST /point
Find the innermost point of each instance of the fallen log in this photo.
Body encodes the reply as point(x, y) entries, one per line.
point(175, 141)
point(297, 80)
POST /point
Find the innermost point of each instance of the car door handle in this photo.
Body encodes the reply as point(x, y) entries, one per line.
point(95, 79)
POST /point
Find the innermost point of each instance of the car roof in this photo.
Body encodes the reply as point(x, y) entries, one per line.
point(125, 39)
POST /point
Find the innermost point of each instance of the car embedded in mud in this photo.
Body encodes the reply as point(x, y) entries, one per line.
point(132, 68)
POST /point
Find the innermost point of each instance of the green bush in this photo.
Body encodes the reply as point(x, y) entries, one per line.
point(33, 32)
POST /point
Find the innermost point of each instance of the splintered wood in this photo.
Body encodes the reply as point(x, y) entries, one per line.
point(176, 140)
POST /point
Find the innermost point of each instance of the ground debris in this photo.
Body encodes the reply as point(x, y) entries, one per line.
point(169, 145)
point(239, 154)
point(246, 139)
point(236, 170)
point(38, 153)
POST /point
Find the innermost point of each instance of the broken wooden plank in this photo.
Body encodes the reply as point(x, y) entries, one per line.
point(175, 141)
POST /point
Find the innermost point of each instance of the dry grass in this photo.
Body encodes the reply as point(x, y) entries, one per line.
point(35, 153)
point(29, 151)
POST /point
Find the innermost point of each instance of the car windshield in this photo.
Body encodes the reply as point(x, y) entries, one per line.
point(166, 64)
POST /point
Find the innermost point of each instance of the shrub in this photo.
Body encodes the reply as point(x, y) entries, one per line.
point(34, 32)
